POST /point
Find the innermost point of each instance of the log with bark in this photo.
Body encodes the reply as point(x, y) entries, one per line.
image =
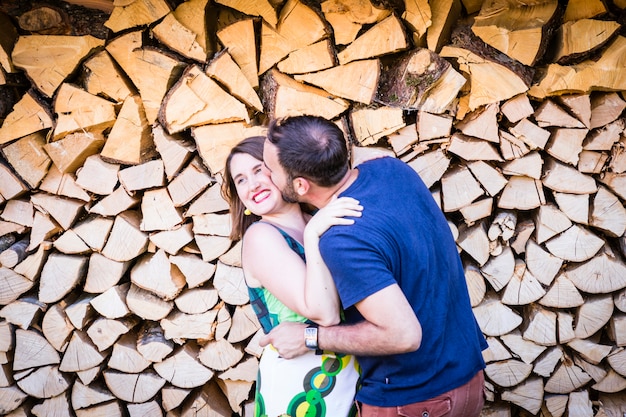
point(116, 117)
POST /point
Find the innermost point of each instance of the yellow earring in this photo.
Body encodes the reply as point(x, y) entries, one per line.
point(247, 212)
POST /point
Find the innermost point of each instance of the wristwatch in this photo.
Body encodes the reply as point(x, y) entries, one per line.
point(310, 337)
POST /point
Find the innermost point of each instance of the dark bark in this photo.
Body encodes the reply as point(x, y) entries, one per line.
point(75, 20)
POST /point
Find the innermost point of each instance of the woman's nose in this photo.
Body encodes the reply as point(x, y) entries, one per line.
point(254, 182)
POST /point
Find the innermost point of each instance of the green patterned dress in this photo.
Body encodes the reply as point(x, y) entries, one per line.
point(312, 385)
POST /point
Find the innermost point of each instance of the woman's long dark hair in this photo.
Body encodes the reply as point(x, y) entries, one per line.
point(252, 146)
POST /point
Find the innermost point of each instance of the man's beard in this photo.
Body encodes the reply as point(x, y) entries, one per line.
point(289, 194)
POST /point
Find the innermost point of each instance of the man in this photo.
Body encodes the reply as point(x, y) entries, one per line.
point(398, 274)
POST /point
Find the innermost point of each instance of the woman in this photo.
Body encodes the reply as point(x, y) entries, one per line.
point(282, 287)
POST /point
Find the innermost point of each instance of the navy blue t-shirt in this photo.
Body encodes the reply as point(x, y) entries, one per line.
point(403, 237)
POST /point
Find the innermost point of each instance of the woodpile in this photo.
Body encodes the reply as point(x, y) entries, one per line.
point(120, 291)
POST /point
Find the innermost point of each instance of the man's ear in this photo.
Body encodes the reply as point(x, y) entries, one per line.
point(301, 186)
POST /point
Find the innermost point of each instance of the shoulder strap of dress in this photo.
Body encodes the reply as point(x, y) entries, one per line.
point(293, 243)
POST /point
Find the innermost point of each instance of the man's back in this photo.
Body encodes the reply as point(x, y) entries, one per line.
point(402, 237)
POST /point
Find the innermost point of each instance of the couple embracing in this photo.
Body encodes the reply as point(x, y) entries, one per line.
point(364, 303)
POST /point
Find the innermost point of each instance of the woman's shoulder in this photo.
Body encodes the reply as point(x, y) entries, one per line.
point(261, 230)
point(260, 243)
point(263, 236)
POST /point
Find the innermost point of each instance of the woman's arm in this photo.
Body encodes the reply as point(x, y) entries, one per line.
point(308, 290)
point(320, 292)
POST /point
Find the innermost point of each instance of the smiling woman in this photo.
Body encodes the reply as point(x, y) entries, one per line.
point(283, 288)
point(252, 147)
point(252, 182)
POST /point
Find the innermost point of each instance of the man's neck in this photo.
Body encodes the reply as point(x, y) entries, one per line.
point(323, 195)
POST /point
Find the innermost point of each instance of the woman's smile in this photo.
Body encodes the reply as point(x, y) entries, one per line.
point(261, 196)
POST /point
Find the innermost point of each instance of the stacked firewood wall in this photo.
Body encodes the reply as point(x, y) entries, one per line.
point(120, 291)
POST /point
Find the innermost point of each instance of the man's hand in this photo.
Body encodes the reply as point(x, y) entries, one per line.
point(287, 338)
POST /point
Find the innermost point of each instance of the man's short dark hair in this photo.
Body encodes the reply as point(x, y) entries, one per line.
point(310, 147)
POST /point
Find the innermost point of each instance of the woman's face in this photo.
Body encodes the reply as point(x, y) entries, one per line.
point(253, 184)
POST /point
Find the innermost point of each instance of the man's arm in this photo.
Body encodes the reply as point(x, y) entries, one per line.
point(389, 327)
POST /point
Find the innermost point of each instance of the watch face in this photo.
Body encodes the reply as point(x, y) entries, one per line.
point(310, 337)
